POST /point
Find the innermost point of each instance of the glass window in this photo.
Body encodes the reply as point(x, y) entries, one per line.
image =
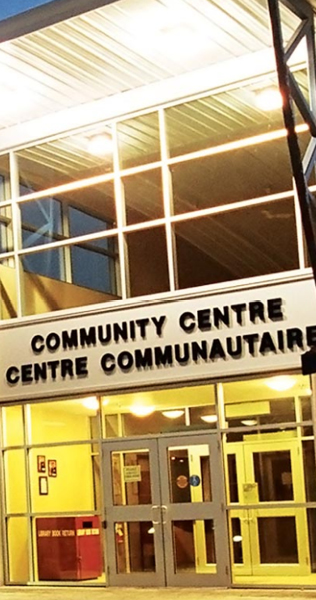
point(41, 222)
point(64, 491)
point(6, 235)
point(95, 268)
point(194, 546)
point(62, 421)
point(135, 547)
point(247, 172)
point(138, 140)
point(15, 481)
point(220, 118)
point(12, 425)
point(49, 264)
point(5, 188)
point(8, 296)
point(143, 196)
point(19, 560)
point(236, 244)
point(66, 215)
point(148, 266)
point(130, 468)
point(67, 159)
point(263, 401)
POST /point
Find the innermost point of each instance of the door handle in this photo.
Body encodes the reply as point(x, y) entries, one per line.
point(154, 507)
point(164, 510)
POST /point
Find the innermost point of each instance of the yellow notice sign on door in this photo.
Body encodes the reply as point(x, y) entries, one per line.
point(132, 473)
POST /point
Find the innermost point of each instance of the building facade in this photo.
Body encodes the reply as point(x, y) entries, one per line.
point(156, 298)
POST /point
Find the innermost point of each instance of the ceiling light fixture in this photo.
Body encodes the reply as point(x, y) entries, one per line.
point(91, 402)
point(173, 414)
point(209, 418)
point(269, 99)
point(249, 422)
point(100, 145)
point(140, 410)
point(281, 383)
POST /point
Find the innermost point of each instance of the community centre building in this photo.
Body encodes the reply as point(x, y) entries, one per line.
point(156, 296)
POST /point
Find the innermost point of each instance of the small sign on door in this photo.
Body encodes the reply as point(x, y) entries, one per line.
point(132, 473)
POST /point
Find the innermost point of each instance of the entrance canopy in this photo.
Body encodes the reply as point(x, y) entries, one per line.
point(127, 54)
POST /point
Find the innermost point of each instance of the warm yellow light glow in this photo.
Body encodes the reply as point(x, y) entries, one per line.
point(173, 414)
point(249, 422)
point(91, 402)
point(281, 384)
point(140, 410)
point(105, 401)
point(100, 145)
point(209, 418)
point(269, 99)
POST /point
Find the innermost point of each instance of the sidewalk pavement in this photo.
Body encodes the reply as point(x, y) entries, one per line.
point(71, 593)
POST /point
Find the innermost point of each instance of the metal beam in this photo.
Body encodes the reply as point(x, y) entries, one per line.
point(306, 201)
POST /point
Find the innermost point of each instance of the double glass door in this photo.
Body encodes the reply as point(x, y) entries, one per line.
point(269, 531)
point(165, 520)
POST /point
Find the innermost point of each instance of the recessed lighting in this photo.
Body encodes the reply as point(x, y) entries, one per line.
point(269, 99)
point(100, 145)
point(237, 538)
point(209, 418)
point(173, 414)
point(91, 402)
point(140, 410)
point(281, 383)
point(249, 422)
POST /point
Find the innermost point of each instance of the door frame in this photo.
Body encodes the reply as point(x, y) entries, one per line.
point(249, 515)
point(162, 511)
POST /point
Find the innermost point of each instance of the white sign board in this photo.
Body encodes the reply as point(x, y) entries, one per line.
point(132, 473)
point(206, 337)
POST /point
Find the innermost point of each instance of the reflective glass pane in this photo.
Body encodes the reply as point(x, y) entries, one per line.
point(8, 296)
point(131, 478)
point(66, 421)
point(57, 476)
point(12, 425)
point(194, 546)
point(19, 562)
point(157, 422)
point(148, 267)
point(143, 196)
point(5, 187)
point(138, 140)
point(237, 540)
point(309, 469)
point(41, 221)
point(95, 268)
point(74, 213)
point(215, 120)
point(14, 465)
point(189, 474)
point(232, 478)
point(47, 264)
point(67, 159)
point(273, 473)
point(264, 401)
point(236, 244)
point(198, 183)
point(282, 530)
point(134, 547)
point(6, 234)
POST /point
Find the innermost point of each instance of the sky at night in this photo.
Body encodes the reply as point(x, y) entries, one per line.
point(10, 8)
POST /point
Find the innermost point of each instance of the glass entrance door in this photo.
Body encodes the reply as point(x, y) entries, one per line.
point(165, 523)
point(270, 532)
